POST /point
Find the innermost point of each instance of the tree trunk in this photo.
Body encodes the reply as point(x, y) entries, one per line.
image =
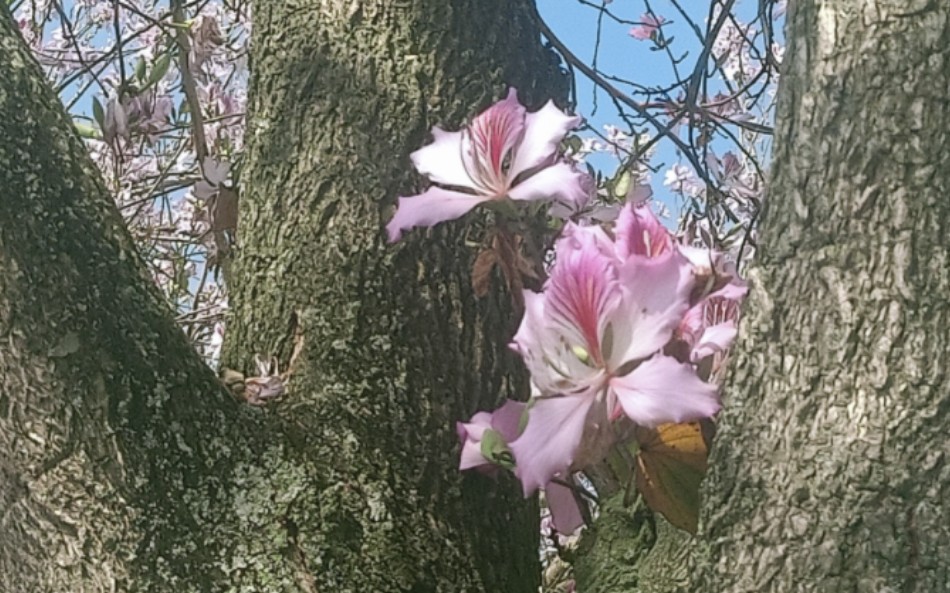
point(122, 466)
point(386, 345)
point(125, 466)
point(830, 470)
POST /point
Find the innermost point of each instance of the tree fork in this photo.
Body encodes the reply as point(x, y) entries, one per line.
point(125, 464)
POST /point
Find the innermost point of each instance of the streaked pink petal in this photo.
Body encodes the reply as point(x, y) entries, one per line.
point(639, 232)
point(565, 512)
point(489, 143)
point(553, 365)
point(655, 299)
point(530, 341)
point(559, 183)
point(433, 206)
point(441, 161)
point(664, 390)
point(582, 290)
point(550, 439)
point(544, 130)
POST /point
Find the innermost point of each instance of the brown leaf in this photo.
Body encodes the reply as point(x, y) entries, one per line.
point(671, 464)
point(224, 210)
point(482, 271)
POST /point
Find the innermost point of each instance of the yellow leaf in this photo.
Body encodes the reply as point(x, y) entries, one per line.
point(671, 464)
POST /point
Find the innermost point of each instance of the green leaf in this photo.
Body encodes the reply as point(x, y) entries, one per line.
point(86, 131)
point(98, 112)
point(140, 69)
point(495, 449)
point(573, 142)
point(622, 183)
point(160, 69)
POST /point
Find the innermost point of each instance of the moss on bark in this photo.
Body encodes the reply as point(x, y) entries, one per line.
point(124, 465)
point(394, 346)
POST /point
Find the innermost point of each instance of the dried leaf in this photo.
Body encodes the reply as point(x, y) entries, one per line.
point(482, 270)
point(671, 464)
point(224, 209)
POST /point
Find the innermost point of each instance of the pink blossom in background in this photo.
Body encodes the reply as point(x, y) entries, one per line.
point(647, 28)
point(710, 326)
point(504, 153)
point(682, 179)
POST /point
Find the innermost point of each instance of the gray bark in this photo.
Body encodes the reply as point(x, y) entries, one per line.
point(125, 466)
point(830, 470)
point(393, 345)
point(118, 448)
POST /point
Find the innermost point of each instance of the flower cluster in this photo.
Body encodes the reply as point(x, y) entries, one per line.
point(618, 335)
point(628, 326)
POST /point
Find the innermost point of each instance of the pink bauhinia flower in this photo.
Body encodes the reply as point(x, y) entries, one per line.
point(503, 422)
point(504, 153)
point(592, 343)
point(485, 439)
point(710, 326)
point(647, 28)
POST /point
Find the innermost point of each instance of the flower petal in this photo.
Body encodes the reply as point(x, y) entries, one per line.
point(489, 144)
point(664, 390)
point(470, 435)
point(543, 132)
point(441, 161)
point(655, 298)
point(565, 512)
point(433, 206)
point(560, 183)
point(551, 361)
point(714, 339)
point(639, 232)
point(550, 439)
point(507, 419)
point(582, 290)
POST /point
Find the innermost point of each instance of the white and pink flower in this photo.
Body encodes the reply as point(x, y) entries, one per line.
point(649, 25)
point(593, 341)
point(504, 153)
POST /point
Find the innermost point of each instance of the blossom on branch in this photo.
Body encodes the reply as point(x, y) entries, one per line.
point(648, 27)
point(593, 343)
point(504, 153)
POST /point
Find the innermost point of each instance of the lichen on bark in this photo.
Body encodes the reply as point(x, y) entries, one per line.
point(125, 465)
point(394, 346)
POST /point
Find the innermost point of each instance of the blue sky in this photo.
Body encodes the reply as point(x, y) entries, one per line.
point(619, 54)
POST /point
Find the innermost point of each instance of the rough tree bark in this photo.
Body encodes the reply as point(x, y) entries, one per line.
point(830, 468)
point(124, 464)
point(119, 450)
point(386, 346)
point(830, 471)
